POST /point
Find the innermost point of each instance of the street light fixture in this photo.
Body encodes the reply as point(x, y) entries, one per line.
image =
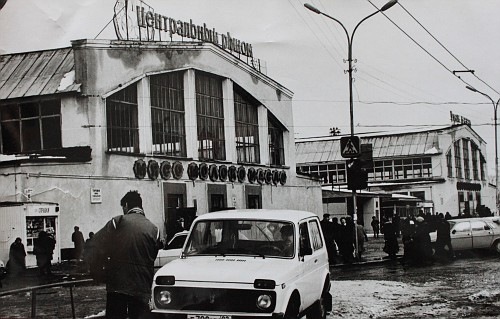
point(349, 59)
point(495, 108)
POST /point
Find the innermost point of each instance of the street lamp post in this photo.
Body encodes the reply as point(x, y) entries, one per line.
point(495, 108)
point(351, 103)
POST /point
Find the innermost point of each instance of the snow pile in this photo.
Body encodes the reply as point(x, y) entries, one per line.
point(485, 295)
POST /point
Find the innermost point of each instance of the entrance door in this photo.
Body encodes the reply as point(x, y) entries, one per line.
point(34, 225)
point(217, 202)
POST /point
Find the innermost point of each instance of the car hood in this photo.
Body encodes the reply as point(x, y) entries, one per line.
point(236, 269)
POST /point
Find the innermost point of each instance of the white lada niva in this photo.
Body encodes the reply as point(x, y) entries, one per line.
point(247, 264)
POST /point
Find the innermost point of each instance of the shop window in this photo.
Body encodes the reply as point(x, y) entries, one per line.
point(30, 126)
point(210, 117)
point(167, 114)
point(122, 122)
point(247, 127)
point(276, 146)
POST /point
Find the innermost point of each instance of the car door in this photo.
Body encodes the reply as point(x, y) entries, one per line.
point(461, 236)
point(482, 234)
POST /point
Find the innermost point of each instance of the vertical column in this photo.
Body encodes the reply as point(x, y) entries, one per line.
point(229, 124)
point(190, 114)
point(144, 116)
point(263, 135)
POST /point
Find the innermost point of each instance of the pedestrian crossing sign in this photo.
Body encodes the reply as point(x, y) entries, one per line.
point(349, 146)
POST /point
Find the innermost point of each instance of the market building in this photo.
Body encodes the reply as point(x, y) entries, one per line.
point(193, 126)
point(432, 171)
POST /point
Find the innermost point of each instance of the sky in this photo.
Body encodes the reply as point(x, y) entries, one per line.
point(405, 58)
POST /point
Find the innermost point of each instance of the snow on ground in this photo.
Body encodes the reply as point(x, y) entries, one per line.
point(371, 298)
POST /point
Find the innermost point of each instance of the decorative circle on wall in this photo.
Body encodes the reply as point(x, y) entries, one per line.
point(213, 172)
point(223, 173)
point(260, 176)
point(153, 169)
point(241, 174)
point(193, 171)
point(252, 175)
point(276, 177)
point(203, 171)
point(177, 170)
point(140, 169)
point(269, 176)
point(165, 168)
point(232, 173)
point(282, 177)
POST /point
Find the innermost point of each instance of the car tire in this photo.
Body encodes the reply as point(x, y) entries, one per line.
point(320, 308)
point(496, 246)
point(292, 310)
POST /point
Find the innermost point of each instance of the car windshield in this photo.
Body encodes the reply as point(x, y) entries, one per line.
point(241, 237)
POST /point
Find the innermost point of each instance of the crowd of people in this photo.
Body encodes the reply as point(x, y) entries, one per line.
point(340, 237)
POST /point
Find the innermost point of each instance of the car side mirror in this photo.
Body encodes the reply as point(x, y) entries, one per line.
point(305, 251)
point(454, 231)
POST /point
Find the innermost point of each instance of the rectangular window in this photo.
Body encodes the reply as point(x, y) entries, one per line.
point(276, 146)
point(449, 164)
point(122, 121)
point(247, 127)
point(210, 117)
point(475, 172)
point(465, 153)
point(167, 114)
point(30, 126)
point(458, 160)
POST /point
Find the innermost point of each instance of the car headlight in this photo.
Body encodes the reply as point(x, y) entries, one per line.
point(264, 302)
point(164, 297)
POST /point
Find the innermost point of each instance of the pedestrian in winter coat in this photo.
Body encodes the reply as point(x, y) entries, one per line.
point(43, 249)
point(375, 226)
point(17, 257)
point(328, 233)
point(391, 246)
point(128, 245)
point(79, 241)
point(362, 237)
point(443, 238)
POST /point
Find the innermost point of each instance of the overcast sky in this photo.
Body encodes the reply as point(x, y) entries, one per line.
point(405, 60)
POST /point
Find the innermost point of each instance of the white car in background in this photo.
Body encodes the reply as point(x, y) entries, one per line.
point(172, 250)
point(248, 264)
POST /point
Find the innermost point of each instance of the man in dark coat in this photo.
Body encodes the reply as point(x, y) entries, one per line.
point(77, 238)
point(443, 238)
point(130, 243)
point(43, 249)
point(328, 232)
point(17, 257)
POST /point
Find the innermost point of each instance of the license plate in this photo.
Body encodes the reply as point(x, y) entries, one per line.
point(208, 317)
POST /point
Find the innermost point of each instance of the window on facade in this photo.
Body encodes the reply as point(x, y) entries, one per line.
point(458, 160)
point(247, 127)
point(418, 194)
point(167, 114)
point(30, 126)
point(449, 164)
point(276, 146)
point(330, 174)
point(122, 122)
point(475, 151)
point(482, 164)
point(210, 117)
point(465, 154)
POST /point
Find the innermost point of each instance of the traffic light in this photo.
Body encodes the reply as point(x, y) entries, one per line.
point(357, 175)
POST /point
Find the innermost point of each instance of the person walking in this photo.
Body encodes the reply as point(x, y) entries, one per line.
point(362, 237)
point(328, 233)
point(391, 246)
point(128, 244)
point(443, 238)
point(375, 226)
point(17, 257)
point(43, 249)
point(79, 242)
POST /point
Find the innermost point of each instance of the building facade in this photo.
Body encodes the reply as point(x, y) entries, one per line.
point(189, 125)
point(434, 171)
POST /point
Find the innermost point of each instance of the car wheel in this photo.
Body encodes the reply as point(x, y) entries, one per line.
point(292, 310)
point(496, 246)
point(319, 309)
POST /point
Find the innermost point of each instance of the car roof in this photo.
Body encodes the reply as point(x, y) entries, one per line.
point(471, 219)
point(261, 214)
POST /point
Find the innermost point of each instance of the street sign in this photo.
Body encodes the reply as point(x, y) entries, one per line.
point(349, 146)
